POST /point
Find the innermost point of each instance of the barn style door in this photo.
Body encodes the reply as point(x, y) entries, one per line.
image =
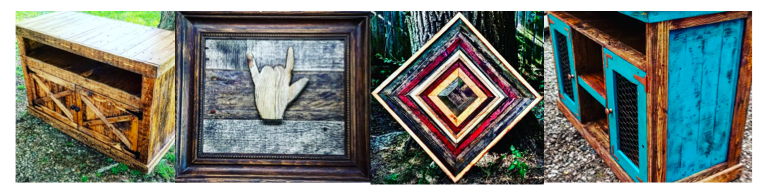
point(565, 64)
point(55, 97)
point(626, 110)
point(108, 120)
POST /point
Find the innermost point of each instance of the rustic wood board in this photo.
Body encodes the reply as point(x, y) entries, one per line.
point(313, 55)
point(258, 137)
point(313, 123)
point(136, 48)
point(405, 93)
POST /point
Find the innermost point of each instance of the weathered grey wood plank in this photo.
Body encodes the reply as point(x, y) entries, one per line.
point(289, 137)
point(309, 55)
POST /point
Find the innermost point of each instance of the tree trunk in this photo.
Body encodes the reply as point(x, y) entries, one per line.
point(497, 27)
point(389, 37)
point(167, 20)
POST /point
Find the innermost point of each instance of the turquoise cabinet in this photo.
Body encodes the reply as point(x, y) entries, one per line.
point(626, 111)
point(565, 64)
point(663, 95)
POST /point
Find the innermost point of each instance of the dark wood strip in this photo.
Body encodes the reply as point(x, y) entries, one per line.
point(658, 37)
point(230, 94)
point(742, 99)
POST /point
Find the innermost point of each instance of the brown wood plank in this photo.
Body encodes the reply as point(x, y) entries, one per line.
point(113, 35)
point(696, 177)
point(75, 30)
point(52, 22)
point(123, 118)
point(29, 84)
point(146, 103)
point(658, 38)
point(707, 19)
point(600, 148)
point(726, 175)
point(56, 96)
point(623, 50)
point(744, 84)
point(55, 115)
point(75, 20)
point(144, 54)
point(596, 81)
point(127, 40)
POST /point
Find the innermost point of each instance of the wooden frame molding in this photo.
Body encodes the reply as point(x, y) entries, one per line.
point(194, 166)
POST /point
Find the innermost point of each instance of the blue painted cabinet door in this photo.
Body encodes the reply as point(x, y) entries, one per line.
point(565, 64)
point(626, 101)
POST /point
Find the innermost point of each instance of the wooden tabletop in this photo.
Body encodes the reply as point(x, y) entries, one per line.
point(136, 48)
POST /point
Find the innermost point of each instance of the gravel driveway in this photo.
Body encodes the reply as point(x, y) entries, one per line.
point(569, 157)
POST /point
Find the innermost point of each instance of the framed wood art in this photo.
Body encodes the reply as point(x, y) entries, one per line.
point(272, 96)
point(456, 97)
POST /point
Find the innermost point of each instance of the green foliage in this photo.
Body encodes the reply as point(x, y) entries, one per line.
point(20, 87)
point(84, 178)
point(391, 179)
point(119, 168)
point(492, 167)
point(165, 170)
point(170, 156)
point(518, 165)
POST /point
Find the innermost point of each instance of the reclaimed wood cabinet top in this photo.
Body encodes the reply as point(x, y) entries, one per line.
point(136, 48)
point(659, 16)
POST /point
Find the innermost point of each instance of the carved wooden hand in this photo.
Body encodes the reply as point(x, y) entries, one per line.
point(272, 92)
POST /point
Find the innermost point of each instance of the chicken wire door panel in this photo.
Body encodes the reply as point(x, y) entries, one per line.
point(626, 99)
point(565, 64)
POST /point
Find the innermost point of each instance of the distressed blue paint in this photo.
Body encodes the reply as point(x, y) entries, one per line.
point(659, 16)
point(628, 71)
point(702, 73)
point(563, 28)
point(593, 93)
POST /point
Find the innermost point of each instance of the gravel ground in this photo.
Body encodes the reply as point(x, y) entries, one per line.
point(569, 157)
point(44, 154)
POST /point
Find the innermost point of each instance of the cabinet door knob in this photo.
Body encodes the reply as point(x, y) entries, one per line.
point(570, 76)
point(608, 111)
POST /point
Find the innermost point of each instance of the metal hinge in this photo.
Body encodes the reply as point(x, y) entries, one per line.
point(644, 81)
point(606, 59)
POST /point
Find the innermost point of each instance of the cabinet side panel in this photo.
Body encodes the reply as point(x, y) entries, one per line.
point(163, 114)
point(703, 70)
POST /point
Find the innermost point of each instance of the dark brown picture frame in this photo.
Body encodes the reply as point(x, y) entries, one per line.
point(191, 30)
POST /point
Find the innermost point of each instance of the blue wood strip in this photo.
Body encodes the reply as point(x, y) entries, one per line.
point(659, 16)
point(711, 45)
point(593, 93)
point(729, 68)
point(703, 69)
point(677, 53)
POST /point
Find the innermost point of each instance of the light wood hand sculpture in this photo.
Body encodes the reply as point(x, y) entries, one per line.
point(272, 92)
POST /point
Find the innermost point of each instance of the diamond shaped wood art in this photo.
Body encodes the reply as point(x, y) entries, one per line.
point(456, 97)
